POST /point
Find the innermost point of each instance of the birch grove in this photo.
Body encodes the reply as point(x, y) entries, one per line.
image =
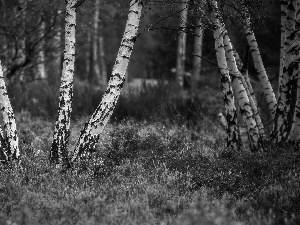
point(92, 130)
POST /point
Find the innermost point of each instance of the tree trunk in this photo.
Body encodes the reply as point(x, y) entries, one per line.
point(59, 152)
point(93, 128)
point(283, 5)
point(10, 128)
point(88, 56)
point(96, 69)
point(259, 66)
point(230, 110)
point(281, 128)
point(181, 49)
point(20, 53)
point(41, 54)
point(245, 107)
point(250, 93)
point(102, 57)
point(294, 136)
point(198, 40)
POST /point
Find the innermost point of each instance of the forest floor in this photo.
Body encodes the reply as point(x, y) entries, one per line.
point(156, 170)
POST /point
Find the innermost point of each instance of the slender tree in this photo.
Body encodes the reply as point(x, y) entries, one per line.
point(10, 137)
point(59, 152)
point(92, 130)
point(181, 49)
point(283, 5)
point(281, 128)
point(294, 135)
point(41, 53)
point(241, 94)
point(95, 33)
point(102, 55)
point(245, 78)
point(198, 40)
point(258, 64)
point(230, 110)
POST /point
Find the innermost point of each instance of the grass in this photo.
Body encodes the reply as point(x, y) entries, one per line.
point(170, 168)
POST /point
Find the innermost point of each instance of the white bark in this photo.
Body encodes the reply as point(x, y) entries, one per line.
point(10, 127)
point(93, 128)
point(259, 66)
point(230, 110)
point(243, 100)
point(59, 152)
point(280, 129)
point(181, 48)
point(198, 40)
point(223, 120)
point(251, 95)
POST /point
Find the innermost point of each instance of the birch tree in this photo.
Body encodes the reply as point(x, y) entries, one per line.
point(102, 56)
point(294, 135)
point(58, 151)
point(245, 78)
point(258, 64)
point(181, 46)
point(41, 53)
point(230, 110)
point(10, 137)
point(92, 130)
point(280, 130)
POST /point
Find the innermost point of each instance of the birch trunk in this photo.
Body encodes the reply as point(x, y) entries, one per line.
point(41, 54)
point(280, 128)
point(181, 48)
point(230, 110)
point(259, 66)
point(88, 56)
point(59, 152)
point(250, 93)
point(283, 6)
point(198, 40)
point(96, 69)
point(10, 128)
point(241, 94)
point(91, 131)
point(294, 136)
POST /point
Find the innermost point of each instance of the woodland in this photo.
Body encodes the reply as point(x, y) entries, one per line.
point(149, 112)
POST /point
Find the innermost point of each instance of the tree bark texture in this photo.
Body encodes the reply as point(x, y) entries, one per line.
point(230, 110)
point(281, 128)
point(245, 78)
point(198, 40)
point(92, 130)
point(259, 66)
point(11, 138)
point(283, 6)
point(243, 100)
point(59, 152)
point(181, 48)
point(294, 135)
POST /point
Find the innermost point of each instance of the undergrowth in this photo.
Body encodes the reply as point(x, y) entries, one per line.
point(149, 173)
